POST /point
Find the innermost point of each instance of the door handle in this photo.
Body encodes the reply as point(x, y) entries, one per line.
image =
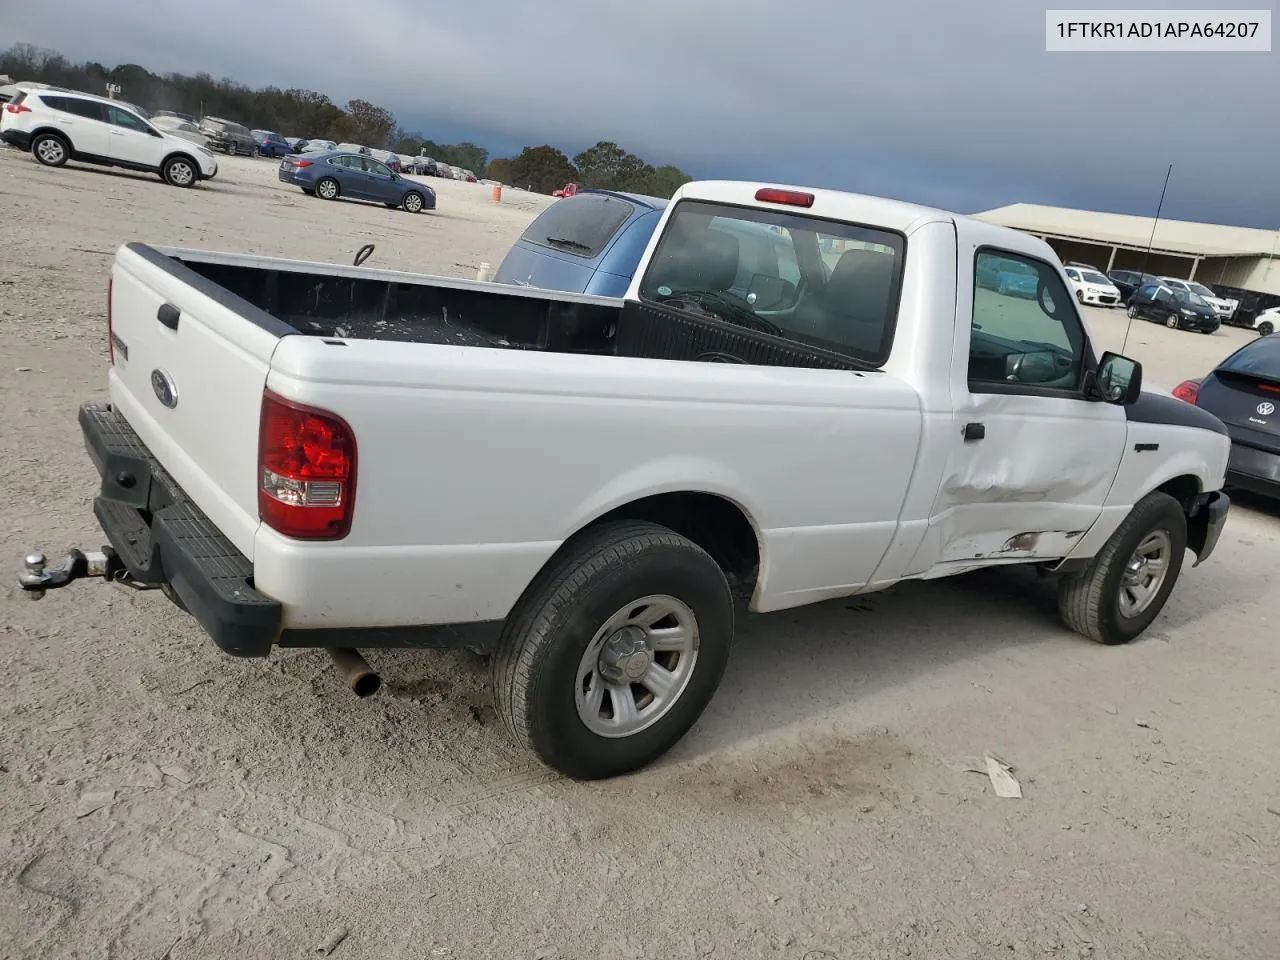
point(974, 431)
point(168, 315)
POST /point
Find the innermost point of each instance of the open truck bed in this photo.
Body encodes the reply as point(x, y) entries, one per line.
point(361, 303)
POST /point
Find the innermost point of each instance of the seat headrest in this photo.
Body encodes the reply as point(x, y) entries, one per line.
point(861, 284)
point(709, 261)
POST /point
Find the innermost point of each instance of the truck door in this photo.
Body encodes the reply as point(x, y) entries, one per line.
point(1032, 458)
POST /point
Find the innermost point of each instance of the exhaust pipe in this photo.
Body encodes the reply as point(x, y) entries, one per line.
point(355, 671)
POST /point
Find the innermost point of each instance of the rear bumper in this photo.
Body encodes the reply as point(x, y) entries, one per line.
point(161, 537)
point(1255, 470)
point(16, 138)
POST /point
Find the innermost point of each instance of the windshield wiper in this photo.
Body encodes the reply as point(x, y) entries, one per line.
point(567, 243)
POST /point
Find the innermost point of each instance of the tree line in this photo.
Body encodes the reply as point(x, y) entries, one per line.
point(299, 112)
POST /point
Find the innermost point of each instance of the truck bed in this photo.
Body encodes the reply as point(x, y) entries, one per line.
point(338, 302)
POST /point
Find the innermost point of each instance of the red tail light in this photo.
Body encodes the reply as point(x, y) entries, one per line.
point(111, 337)
point(792, 198)
point(1187, 391)
point(17, 108)
point(307, 470)
point(301, 163)
point(1269, 388)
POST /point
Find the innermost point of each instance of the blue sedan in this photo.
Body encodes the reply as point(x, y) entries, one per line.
point(331, 174)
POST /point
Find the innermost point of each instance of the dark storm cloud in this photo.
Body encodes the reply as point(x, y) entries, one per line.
point(953, 104)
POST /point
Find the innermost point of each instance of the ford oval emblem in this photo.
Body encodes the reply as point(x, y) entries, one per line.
point(165, 389)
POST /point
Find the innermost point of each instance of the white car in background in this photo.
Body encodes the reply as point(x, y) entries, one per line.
point(58, 125)
point(1222, 306)
point(1267, 322)
point(1092, 287)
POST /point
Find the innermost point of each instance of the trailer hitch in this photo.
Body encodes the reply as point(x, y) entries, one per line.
point(37, 576)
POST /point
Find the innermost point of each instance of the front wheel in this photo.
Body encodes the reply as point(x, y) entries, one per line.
point(1126, 585)
point(1133, 312)
point(1080, 296)
point(1266, 328)
point(179, 172)
point(1172, 321)
point(615, 650)
point(413, 202)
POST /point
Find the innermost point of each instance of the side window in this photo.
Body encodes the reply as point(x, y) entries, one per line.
point(123, 118)
point(1164, 295)
point(1026, 332)
point(377, 168)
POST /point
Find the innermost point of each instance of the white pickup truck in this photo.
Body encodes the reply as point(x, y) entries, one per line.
point(805, 394)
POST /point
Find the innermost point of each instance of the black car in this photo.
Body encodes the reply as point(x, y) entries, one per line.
point(1243, 391)
point(1128, 281)
point(1176, 309)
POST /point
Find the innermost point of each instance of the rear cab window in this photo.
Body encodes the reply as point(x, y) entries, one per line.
point(581, 225)
point(824, 283)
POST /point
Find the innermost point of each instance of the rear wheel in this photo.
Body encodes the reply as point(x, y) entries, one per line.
point(413, 202)
point(1266, 328)
point(232, 149)
point(1126, 585)
point(328, 189)
point(51, 149)
point(179, 172)
point(615, 650)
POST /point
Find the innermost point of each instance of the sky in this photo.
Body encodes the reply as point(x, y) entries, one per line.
point(951, 104)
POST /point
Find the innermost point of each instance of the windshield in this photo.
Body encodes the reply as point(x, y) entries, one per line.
point(1201, 289)
point(829, 284)
point(1193, 298)
point(1095, 277)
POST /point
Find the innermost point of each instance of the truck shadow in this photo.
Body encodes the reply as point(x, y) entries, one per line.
point(791, 666)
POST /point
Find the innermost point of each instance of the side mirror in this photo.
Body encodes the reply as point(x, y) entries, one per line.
point(1118, 380)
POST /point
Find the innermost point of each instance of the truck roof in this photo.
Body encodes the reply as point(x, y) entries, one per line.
point(836, 204)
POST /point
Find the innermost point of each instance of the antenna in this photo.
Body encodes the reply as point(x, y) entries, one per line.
point(1147, 256)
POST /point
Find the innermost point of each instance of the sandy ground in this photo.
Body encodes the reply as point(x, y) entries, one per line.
point(159, 799)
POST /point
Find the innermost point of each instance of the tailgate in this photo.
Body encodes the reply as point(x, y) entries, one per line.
point(190, 363)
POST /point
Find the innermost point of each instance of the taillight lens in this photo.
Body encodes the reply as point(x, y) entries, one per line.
point(307, 470)
point(1187, 391)
point(301, 163)
point(16, 108)
point(111, 337)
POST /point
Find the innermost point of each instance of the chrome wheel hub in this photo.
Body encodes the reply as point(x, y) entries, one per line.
point(1145, 573)
point(636, 666)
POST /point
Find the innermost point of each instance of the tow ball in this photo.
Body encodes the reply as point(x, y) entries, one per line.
point(37, 576)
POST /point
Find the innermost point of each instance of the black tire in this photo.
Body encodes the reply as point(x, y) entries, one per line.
point(232, 149)
point(1173, 321)
point(536, 666)
point(51, 149)
point(180, 171)
point(1080, 297)
point(413, 202)
point(1089, 601)
point(323, 191)
point(1133, 312)
point(1266, 328)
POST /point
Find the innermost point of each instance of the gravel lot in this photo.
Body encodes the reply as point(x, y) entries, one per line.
point(160, 799)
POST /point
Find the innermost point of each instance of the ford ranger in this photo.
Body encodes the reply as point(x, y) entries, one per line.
point(804, 394)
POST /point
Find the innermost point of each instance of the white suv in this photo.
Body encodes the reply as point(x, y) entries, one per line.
point(58, 125)
point(1224, 307)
